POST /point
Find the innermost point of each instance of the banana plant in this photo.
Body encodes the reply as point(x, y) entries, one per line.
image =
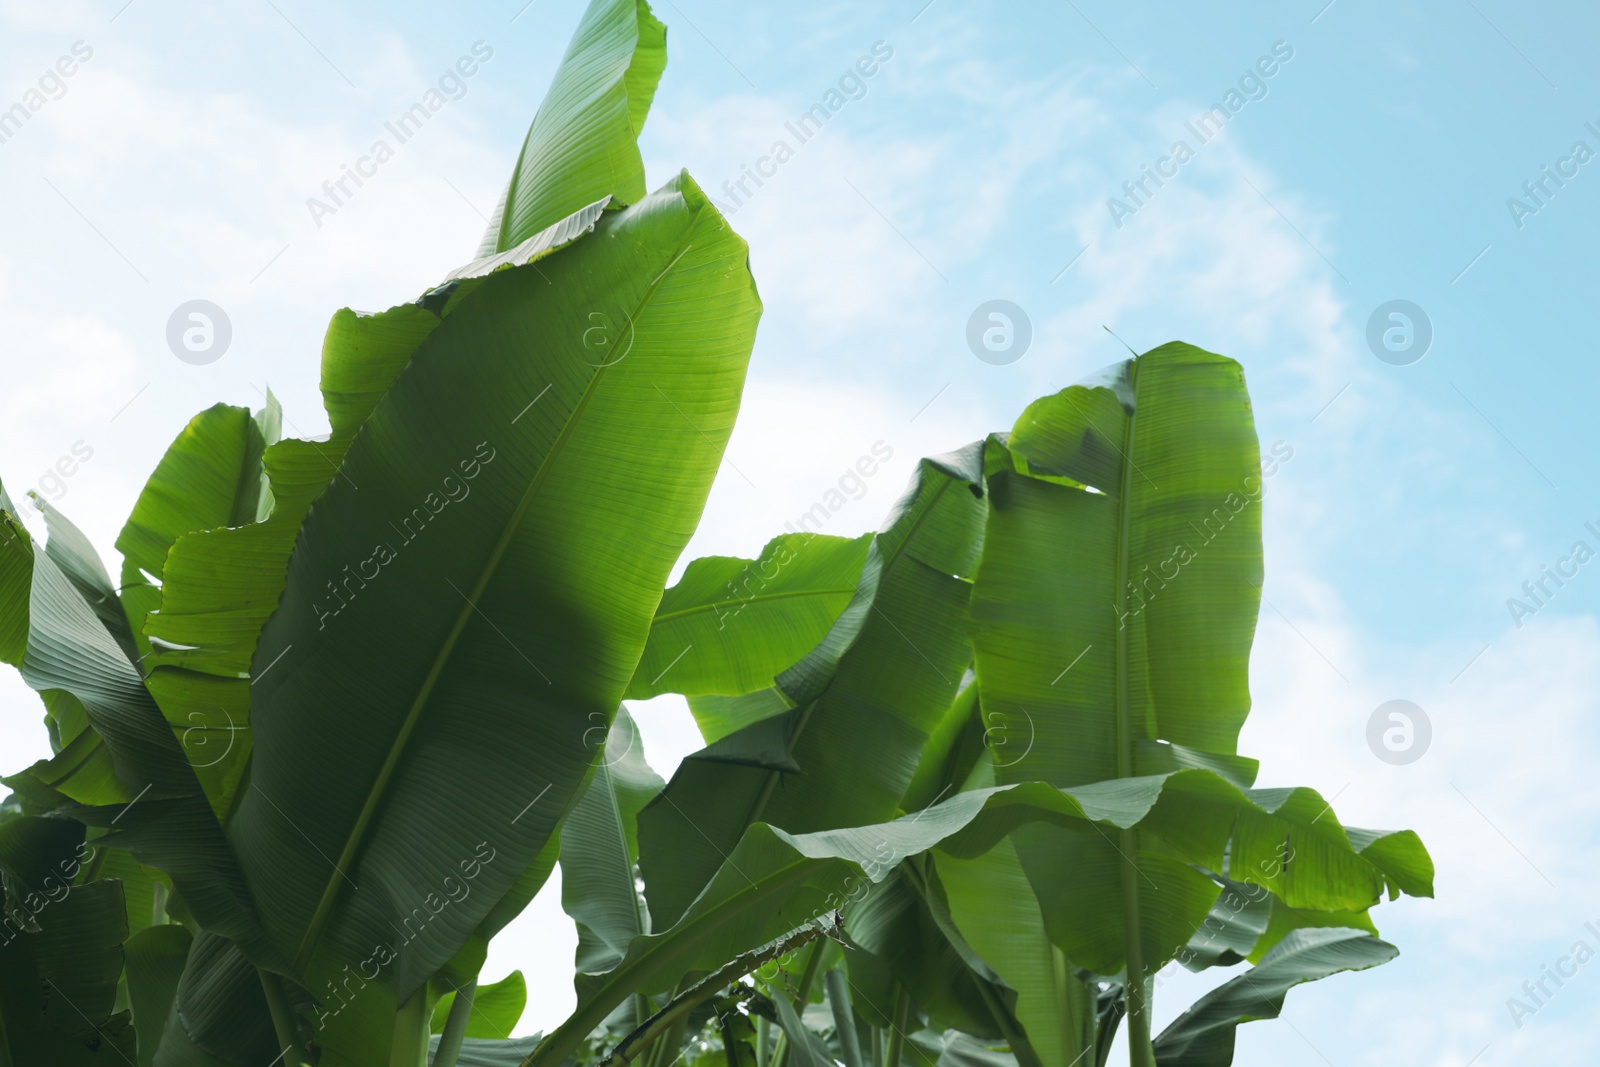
point(1114, 590)
point(968, 782)
point(476, 552)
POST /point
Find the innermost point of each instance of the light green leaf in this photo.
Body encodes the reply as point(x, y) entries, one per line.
point(731, 625)
point(481, 600)
point(81, 564)
point(961, 1050)
point(583, 144)
point(480, 1052)
point(992, 904)
point(1115, 608)
point(496, 1008)
point(774, 882)
point(601, 848)
point(865, 699)
point(805, 1048)
point(210, 476)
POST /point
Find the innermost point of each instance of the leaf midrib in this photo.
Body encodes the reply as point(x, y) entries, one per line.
point(712, 605)
point(353, 844)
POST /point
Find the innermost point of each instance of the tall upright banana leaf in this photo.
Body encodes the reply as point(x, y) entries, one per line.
point(1115, 608)
point(583, 144)
point(470, 596)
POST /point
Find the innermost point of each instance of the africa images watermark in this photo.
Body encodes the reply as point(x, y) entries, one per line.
point(1252, 87)
point(456, 890)
point(1537, 991)
point(51, 85)
point(1541, 190)
point(1559, 573)
point(56, 887)
point(852, 85)
point(455, 490)
point(1233, 899)
point(52, 483)
point(852, 481)
point(451, 85)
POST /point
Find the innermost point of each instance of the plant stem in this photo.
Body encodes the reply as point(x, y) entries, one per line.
point(681, 1005)
point(897, 1030)
point(455, 1026)
point(730, 1047)
point(641, 1009)
point(282, 1018)
point(1140, 1051)
point(763, 1032)
point(844, 1019)
point(665, 1051)
point(410, 1045)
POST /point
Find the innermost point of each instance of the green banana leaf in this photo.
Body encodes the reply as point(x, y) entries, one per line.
point(601, 849)
point(72, 552)
point(210, 476)
point(481, 600)
point(894, 922)
point(1247, 922)
point(774, 882)
point(961, 1050)
point(154, 962)
point(39, 858)
point(16, 577)
point(1203, 1036)
point(731, 625)
point(864, 700)
point(806, 1049)
point(58, 986)
point(496, 1008)
point(220, 584)
point(221, 1005)
point(583, 144)
point(482, 1052)
point(1152, 579)
point(128, 772)
point(1054, 1005)
point(1115, 608)
point(955, 749)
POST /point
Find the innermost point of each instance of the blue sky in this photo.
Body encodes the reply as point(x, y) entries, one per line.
point(1374, 164)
